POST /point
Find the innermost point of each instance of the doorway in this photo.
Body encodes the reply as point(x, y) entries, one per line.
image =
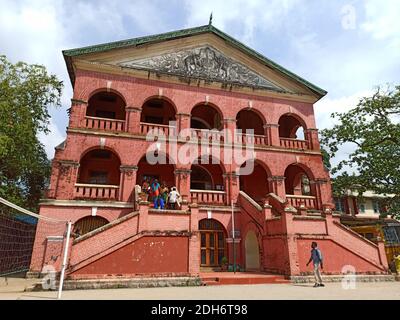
point(213, 243)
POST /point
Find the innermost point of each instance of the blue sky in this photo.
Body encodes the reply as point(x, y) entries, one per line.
point(345, 47)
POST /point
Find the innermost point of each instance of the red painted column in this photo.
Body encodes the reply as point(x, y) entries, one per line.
point(293, 259)
point(77, 114)
point(272, 132)
point(312, 136)
point(182, 182)
point(230, 130)
point(278, 186)
point(127, 182)
point(183, 124)
point(132, 124)
point(143, 216)
point(67, 177)
point(194, 241)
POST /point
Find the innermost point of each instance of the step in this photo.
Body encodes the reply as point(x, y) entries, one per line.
point(241, 279)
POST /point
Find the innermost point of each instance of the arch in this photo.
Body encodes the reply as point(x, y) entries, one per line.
point(252, 251)
point(163, 172)
point(158, 110)
point(212, 242)
point(298, 179)
point(207, 175)
point(206, 113)
point(99, 166)
point(256, 183)
point(291, 126)
point(89, 223)
point(250, 119)
point(108, 104)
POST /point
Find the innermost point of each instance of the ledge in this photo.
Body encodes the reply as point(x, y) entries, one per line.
point(127, 135)
point(84, 203)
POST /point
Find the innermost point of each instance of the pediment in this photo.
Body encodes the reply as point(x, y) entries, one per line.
point(203, 62)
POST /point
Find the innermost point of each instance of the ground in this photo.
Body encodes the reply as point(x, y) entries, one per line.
point(333, 291)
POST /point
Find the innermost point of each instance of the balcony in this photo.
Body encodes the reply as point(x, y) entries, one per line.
point(213, 136)
point(209, 197)
point(156, 129)
point(85, 191)
point(309, 202)
point(294, 143)
point(254, 139)
point(104, 124)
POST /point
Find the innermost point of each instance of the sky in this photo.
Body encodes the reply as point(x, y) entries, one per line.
point(345, 47)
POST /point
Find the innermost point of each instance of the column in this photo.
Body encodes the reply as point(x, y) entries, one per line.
point(312, 136)
point(182, 182)
point(272, 133)
point(230, 130)
point(127, 183)
point(293, 258)
point(132, 124)
point(67, 177)
point(194, 240)
point(232, 187)
point(322, 192)
point(183, 124)
point(278, 186)
point(77, 113)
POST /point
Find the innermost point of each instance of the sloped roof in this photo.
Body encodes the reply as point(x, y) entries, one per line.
point(68, 54)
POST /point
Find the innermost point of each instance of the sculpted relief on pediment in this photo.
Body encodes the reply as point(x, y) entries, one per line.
point(204, 63)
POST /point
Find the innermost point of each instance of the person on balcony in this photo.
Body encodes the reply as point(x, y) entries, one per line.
point(173, 198)
point(316, 258)
point(158, 202)
point(164, 193)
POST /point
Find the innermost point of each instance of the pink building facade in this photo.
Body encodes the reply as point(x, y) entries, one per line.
point(182, 97)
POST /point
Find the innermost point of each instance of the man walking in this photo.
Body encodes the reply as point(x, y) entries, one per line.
point(316, 258)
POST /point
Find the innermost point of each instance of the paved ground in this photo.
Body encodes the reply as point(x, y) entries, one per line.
point(364, 291)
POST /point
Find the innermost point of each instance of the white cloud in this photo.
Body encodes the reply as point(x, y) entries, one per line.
point(382, 20)
point(51, 140)
point(247, 16)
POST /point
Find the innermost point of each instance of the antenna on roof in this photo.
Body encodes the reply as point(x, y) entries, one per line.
point(210, 21)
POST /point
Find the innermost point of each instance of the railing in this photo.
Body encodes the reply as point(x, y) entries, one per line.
point(209, 196)
point(215, 136)
point(104, 124)
point(156, 129)
point(309, 202)
point(294, 143)
point(251, 139)
point(96, 191)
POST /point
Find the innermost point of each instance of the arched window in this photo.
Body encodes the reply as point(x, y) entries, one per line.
point(206, 175)
point(107, 105)
point(88, 224)
point(291, 127)
point(254, 182)
point(206, 117)
point(297, 182)
point(248, 119)
point(158, 111)
point(99, 166)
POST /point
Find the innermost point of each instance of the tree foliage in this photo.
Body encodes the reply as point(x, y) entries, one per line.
point(373, 127)
point(26, 93)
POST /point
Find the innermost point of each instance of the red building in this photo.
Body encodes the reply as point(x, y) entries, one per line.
point(184, 87)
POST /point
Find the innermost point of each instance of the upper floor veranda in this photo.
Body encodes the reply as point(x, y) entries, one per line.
point(131, 107)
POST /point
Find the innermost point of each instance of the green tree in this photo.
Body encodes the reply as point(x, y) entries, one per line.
point(26, 93)
point(373, 127)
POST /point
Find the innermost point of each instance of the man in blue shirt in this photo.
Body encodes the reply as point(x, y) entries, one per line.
point(316, 258)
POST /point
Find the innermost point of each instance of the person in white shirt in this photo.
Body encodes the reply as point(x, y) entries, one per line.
point(173, 198)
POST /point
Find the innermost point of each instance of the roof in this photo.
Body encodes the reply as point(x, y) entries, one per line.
point(68, 54)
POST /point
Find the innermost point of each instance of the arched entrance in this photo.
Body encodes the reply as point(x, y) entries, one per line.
point(252, 252)
point(212, 243)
